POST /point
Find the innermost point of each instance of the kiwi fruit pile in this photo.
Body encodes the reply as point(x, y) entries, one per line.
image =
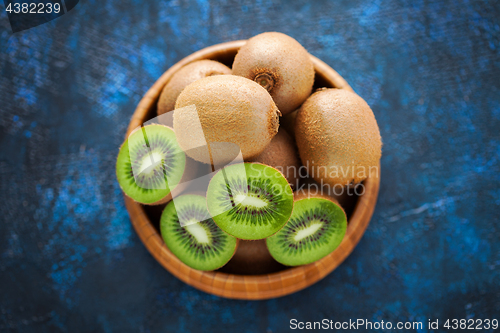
point(259, 132)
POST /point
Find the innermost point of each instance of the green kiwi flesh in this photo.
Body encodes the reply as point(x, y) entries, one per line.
point(199, 242)
point(250, 200)
point(316, 228)
point(153, 155)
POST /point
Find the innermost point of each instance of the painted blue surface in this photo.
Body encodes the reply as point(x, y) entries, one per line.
point(69, 259)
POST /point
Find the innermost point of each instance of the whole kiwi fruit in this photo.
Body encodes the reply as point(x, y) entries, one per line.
point(282, 154)
point(338, 137)
point(281, 65)
point(224, 109)
point(185, 76)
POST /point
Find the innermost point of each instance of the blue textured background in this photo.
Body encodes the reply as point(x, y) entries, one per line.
point(69, 259)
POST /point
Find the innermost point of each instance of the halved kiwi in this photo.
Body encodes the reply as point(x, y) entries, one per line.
point(150, 164)
point(250, 200)
point(316, 228)
point(192, 236)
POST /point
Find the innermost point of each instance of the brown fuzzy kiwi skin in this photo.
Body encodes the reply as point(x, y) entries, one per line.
point(185, 76)
point(284, 61)
point(252, 258)
point(230, 109)
point(338, 137)
point(282, 154)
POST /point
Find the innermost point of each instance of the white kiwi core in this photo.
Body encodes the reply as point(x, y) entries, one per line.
point(150, 161)
point(306, 232)
point(250, 201)
point(198, 232)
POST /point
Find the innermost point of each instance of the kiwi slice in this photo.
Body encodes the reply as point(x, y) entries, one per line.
point(192, 236)
point(150, 164)
point(250, 200)
point(316, 228)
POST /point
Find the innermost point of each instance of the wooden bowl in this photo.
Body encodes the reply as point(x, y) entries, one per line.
point(282, 280)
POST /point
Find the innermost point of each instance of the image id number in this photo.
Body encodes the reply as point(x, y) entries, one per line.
point(471, 324)
point(33, 8)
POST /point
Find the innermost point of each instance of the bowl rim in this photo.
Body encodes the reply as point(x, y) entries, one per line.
point(248, 287)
